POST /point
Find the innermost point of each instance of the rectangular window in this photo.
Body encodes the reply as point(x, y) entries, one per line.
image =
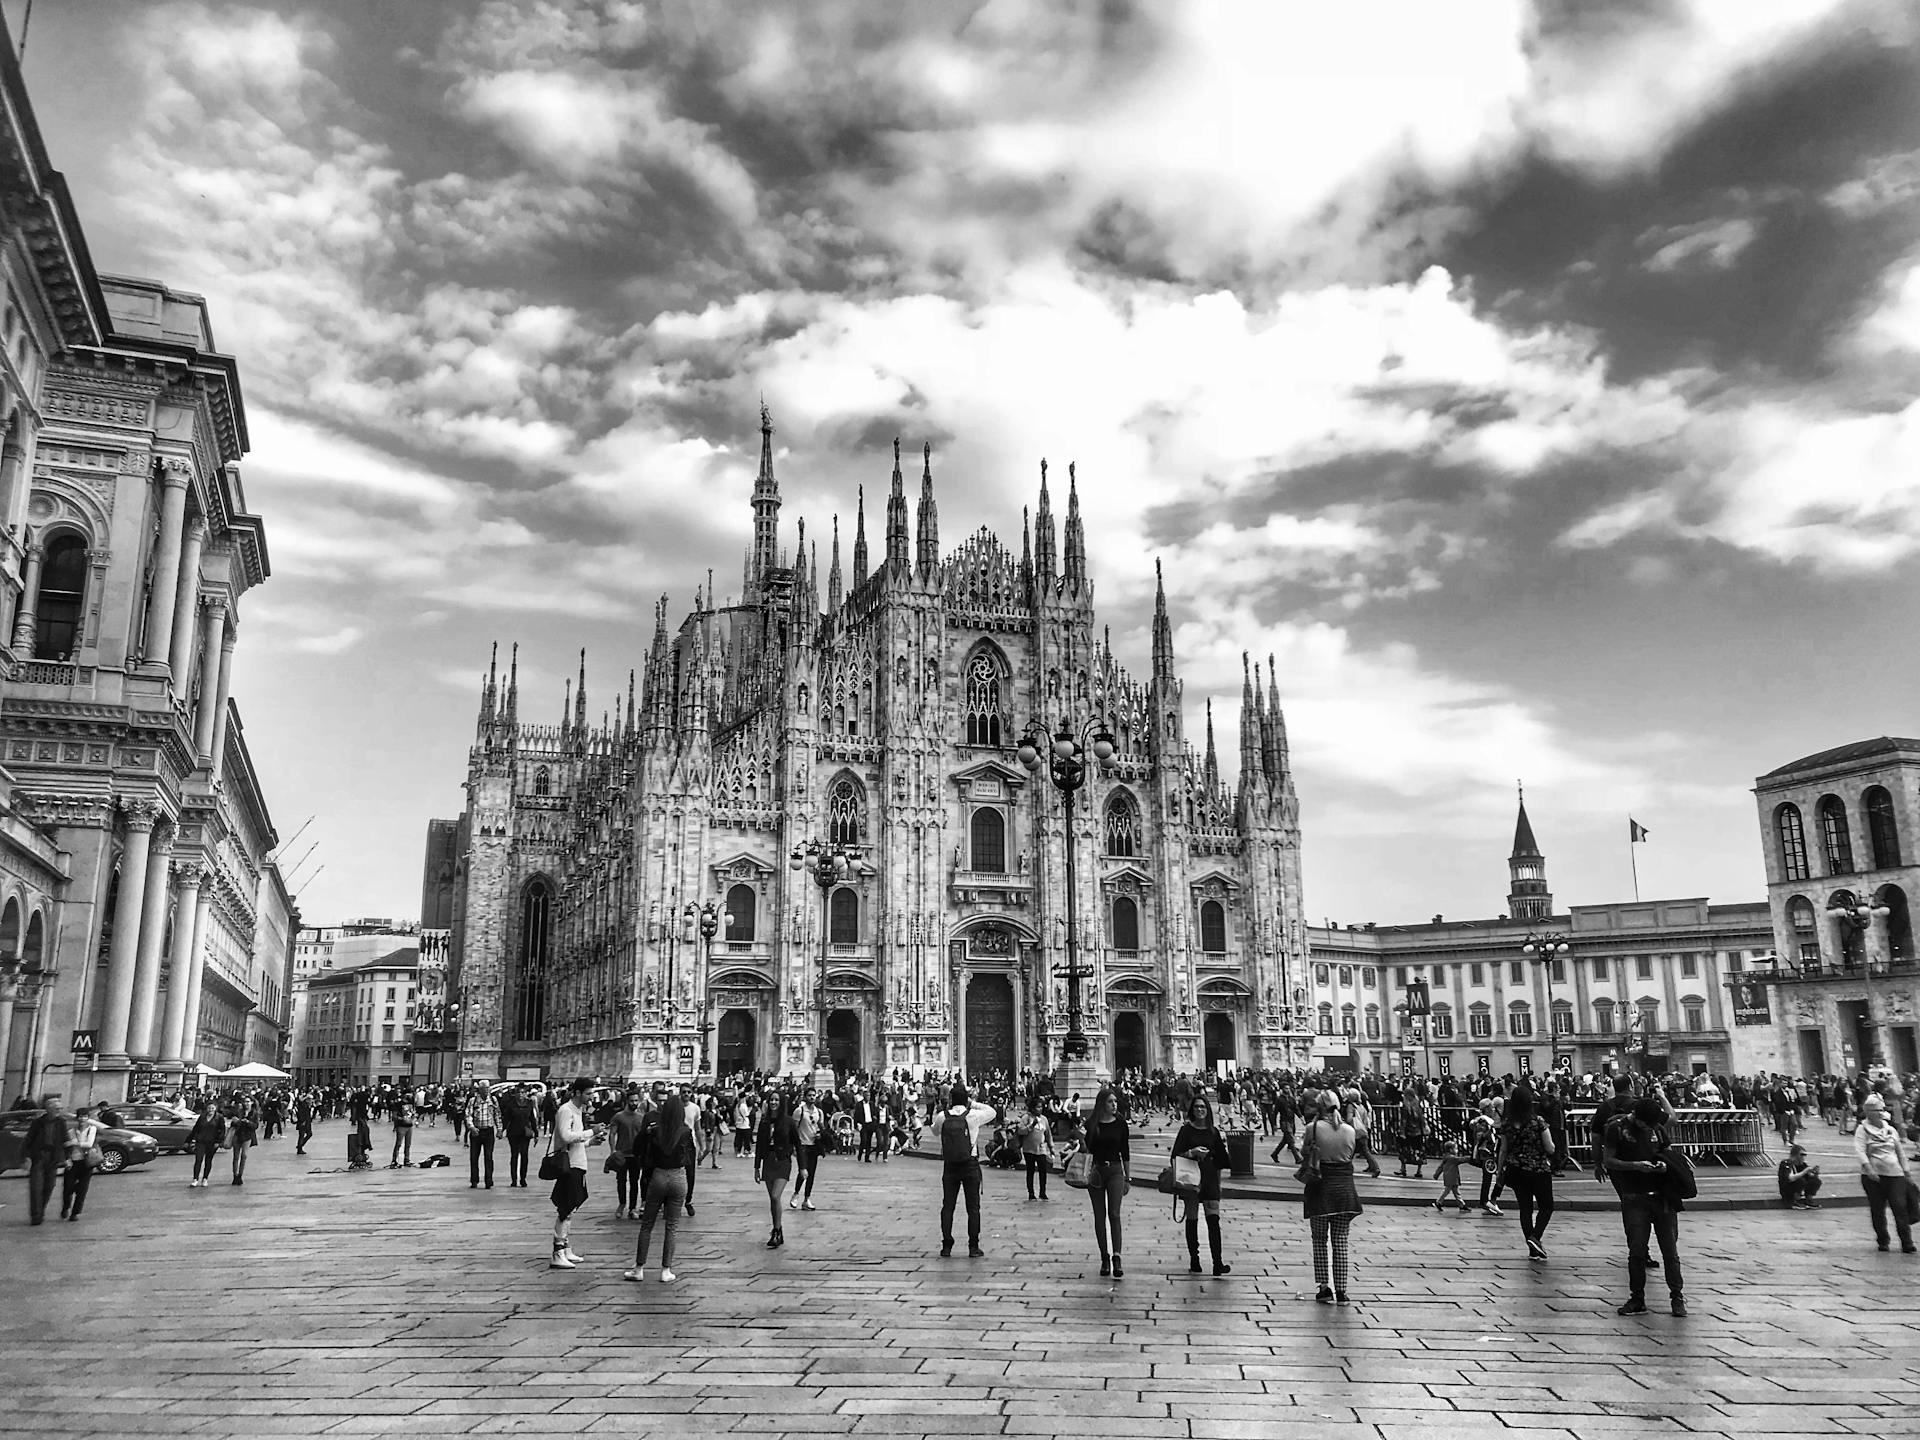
point(1519, 1023)
point(1736, 961)
point(1368, 978)
point(1346, 976)
point(1400, 975)
point(1559, 972)
point(1563, 1022)
point(389, 1014)
point(1346, 1024)
point(1319, 974)
point(1480, 1024)
point(1689, 965)
point(1516, 972)
point(1599, 967)
point(1326, 1022)
point(1696, 1017)
point(1603, 1019)
point(1373, 1025)
point(1643, 967)
point(1442, 1025)
point(1476, 974)
point(1810, 954)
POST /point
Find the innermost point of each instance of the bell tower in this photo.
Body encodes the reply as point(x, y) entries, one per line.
point(1528, 898)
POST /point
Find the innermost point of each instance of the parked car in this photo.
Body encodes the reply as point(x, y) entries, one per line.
point(163, 1123)
point(118, 1148)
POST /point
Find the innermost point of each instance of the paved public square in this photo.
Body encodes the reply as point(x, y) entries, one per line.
point(327, 1303)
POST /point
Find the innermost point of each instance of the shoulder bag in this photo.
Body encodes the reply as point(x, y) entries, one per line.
point(1309, 1171)
point(1186, 1177)
point(1682, 1184)
point(1079, 1173)
point(552, 1164)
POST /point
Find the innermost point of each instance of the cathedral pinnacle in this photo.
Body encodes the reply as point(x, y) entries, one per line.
point(833, 574)
point(513, 687)
point(860, 539)
point(898, 557)
point(766, 508)
point(1043, 555)
point(1075, 569)
point(927, 545)
point(580, 695)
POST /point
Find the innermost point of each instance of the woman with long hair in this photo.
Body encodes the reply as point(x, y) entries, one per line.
point(1107, 1145)
point(209, 1132)
point(1523, 1162)
point(1331, 1200)
point(666, 1150)
point(773, 1149)
point(1199, 1139)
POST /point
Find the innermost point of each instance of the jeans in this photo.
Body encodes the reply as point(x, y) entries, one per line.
point(402, 1144)
point(303, 1132)
point(479, 1143)
point(1535, 1194)
point(1036, 1165)
point(40, 1177)
point(955, 1178)
point(517, 1146)
point(1884, 1193)
point(626, 1181)
point(73, 1191)
point(1639, 1215)
point(1107, 1188)
point(665, 1189)
point(203, 1161)
point(1490, 1192)
point(806, 1159)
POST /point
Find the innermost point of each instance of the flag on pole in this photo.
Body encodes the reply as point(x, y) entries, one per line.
point(1636, 832)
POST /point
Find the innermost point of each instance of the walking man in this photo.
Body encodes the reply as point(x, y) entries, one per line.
point(302, 1123)
point(45, 1151)
point(483, 1123)
point(808, 1121)
point(960, 1167)
point(521, 1120)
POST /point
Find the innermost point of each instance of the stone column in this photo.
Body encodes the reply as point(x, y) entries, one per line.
point(13, 472)
point(223, 691)
point(190, 1028)
point(186, 601)
point(29, 596)
point(153, 934)
point(213, 637)
point(186, 938)
point(9, 988)
point(116, 1014)
point(157, 647)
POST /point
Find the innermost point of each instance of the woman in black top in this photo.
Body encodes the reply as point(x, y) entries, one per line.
point(1106, 1142)
point(667, 1169)
point(773, 1149)
point(1199, 1139)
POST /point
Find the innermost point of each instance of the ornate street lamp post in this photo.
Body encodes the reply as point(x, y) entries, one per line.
point(831, 864)
point(706, 919)
point(1857, 913)
point(1065, 758)
point(1547, 949)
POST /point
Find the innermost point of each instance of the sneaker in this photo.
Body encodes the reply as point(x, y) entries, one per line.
point(793, 1204)
point(1438, 1208)
point(1465, 1209)
point(1679, 1306)
point(1220, 1268)
point(975, 1252)
point(1535, 1250)
point(1490, 1209)
point(946, 1250)
point(1635, 1306)
point(666, 1277)
point(576, 1259)
point(637, 1275)
point(1341, 1297)
point(807, 1204)
point(1325, 1297)
point(561, 1261)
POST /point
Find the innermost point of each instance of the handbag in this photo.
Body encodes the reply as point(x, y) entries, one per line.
point(1682, 1184)
point(1186, 1177)
point(95, 1157)
point(1309, 1171)
point(552, 1164)
point(1079, 1172)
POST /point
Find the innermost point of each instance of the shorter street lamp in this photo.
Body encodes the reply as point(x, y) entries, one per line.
point(1066, 763)
point(831, 863)
point(1547, 949)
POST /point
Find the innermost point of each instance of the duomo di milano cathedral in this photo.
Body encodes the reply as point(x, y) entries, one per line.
point(878, 706)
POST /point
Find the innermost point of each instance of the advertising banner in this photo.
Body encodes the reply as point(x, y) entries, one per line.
point(1750, 1003)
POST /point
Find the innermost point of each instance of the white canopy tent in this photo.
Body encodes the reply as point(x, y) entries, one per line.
point(253, 1070)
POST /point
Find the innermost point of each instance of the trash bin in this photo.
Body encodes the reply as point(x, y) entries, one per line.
point(1240, 1151)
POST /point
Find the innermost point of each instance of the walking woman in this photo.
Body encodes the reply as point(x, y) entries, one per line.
point(1107, 1143)
point(1036, 1149)
point(773, 1151)
point(241, 1130)
point(572, 1134)
point(1331, 1201)
point(401, 1114)
point(205, 1137)
point(1199, 1139)
point(82, 1136)
point(1523, 1160)
point(1884, 1172)
point(666, 1155)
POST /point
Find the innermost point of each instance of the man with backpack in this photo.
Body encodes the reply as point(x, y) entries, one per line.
point(960, 1127)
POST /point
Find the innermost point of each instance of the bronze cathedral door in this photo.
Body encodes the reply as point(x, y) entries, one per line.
point(989, 1038)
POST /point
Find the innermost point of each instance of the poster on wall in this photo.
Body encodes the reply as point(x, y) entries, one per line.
point(1750, 1004)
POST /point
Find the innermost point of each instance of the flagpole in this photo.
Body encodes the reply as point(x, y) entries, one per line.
point(1634, 861)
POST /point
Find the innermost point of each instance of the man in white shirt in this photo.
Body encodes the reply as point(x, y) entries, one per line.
point(960, 1154)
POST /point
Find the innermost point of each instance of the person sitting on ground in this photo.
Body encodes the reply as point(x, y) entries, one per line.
point(1799, 1181)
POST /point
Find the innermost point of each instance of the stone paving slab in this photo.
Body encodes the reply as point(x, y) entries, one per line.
point(314, 1302)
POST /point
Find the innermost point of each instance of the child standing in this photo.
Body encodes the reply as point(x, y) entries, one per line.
point(1450, 1161)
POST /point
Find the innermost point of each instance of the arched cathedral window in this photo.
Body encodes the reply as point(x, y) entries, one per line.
point(542, 782)
point(983, 701)
point(1123, 825)
point(844, 812)
point(530, 975)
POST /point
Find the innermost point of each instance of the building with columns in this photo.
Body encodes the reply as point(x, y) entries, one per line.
point(1641, 985)
point(879, 708)
point(1837, 829)
point(128, 545)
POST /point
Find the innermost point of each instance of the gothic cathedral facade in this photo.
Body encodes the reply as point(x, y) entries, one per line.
point(879, 709)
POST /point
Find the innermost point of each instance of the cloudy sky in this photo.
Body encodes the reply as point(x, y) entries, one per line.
point(1536, 381)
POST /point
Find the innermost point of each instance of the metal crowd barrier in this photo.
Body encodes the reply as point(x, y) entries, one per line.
point(1720, 1137)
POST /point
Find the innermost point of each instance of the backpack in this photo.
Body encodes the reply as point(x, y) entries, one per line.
point(956, 1139)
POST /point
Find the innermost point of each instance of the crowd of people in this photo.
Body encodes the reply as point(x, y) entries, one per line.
point(1513, 1129)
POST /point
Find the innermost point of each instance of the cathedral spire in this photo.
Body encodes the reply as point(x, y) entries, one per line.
point(1076, 539)
point(766, 507)
point(1280, 767)
point(1251, 770)
point(656, 701)
point(580, 695)
point(566, 707)
point(1043, 535)
point(1527, 896)
point(630, 714)
point(833, 575)
point(489, 694)
point(927, 546)
point(513, 687)
point(1211, 772)
point(860, 539)
point(1162, 631)
point(897, 557)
